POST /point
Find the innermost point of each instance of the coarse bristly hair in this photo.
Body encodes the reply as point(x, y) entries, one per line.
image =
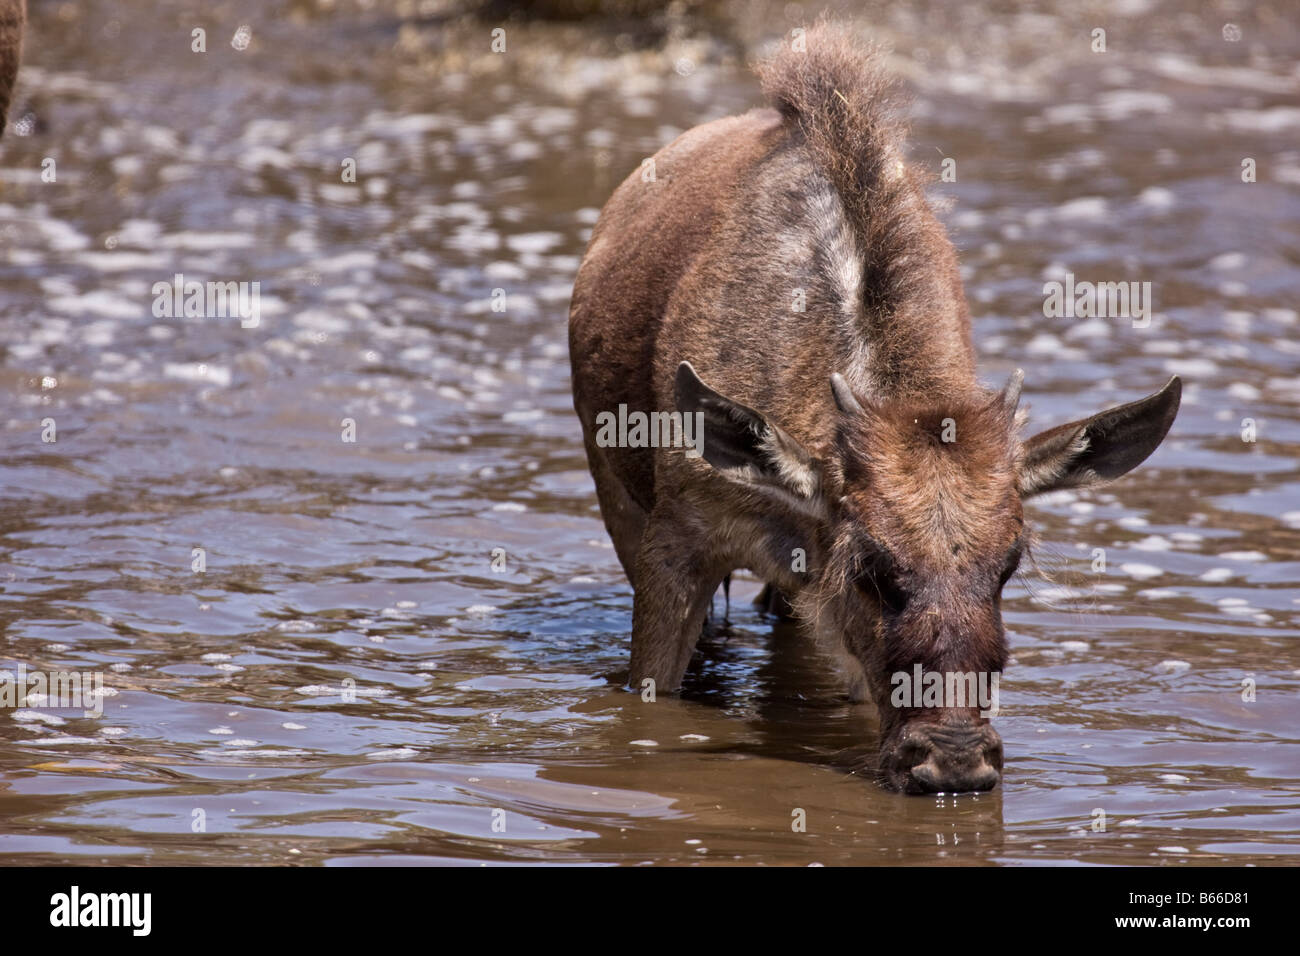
point(838, 96)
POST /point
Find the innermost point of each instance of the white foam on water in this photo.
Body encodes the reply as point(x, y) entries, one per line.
point(123, 261)
point(1228, 261)
point(1154, 543)
point(1277, 119)
point(1244, 610)
point(25, 716)
point(1087, 208)
point(60, 236)
point(61, 740)
point(103, 302)
point(197, 372)
point(1141, 572)
point(319, 320)
point(205, 241)
point(1089, 329)
point(1191, 368)
point(1187, 70)
point(397, 753)
point(1157, 197)
point(268, 752)
point(1124, 104)
point(534, 241)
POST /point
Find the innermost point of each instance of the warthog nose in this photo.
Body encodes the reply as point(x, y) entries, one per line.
point(939, 776)
point(952, 760)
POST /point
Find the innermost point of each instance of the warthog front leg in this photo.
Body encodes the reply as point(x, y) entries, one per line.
point(675, 581)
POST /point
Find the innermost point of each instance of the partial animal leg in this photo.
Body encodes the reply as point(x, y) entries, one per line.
point(771, 601)
point(675, 581)
point(624, 518)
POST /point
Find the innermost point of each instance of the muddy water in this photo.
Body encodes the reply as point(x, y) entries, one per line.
point(351, 680)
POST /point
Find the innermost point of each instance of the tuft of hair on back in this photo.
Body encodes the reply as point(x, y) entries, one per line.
point(837, 96)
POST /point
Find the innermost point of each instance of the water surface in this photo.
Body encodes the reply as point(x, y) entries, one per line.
point(367, 566)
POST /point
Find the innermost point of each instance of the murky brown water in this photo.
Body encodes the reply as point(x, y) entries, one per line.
point(481, 690)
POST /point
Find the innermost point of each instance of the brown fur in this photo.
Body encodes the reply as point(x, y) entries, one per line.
point(846, 110)
point(908, 537)
point(13, 14)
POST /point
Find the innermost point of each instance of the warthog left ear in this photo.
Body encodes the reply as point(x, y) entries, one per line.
point(1100, 448)
point(744, 444)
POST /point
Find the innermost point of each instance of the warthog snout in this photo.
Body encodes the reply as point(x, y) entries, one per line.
point(943, 758)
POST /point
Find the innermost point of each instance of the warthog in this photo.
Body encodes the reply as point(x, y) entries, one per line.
point(788, 257)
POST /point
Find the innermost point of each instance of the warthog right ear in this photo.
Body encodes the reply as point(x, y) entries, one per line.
point(742, 443)
point(1098, 449)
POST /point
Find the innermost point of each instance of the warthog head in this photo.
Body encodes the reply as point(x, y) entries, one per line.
point(911, 519)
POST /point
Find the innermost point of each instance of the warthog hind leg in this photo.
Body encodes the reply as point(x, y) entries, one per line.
point(772, 601)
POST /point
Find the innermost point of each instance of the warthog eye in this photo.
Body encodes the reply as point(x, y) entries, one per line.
point(877, 577)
